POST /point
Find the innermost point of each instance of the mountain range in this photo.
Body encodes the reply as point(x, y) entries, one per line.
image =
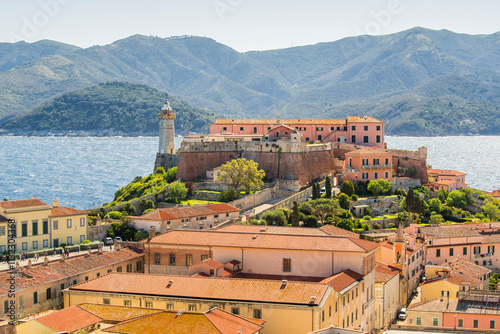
point(419, 81)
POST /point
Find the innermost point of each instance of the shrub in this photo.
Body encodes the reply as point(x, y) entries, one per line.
point(354, 197)
point(376, 226)
point(116, 215)
point(148, 210)
point(227, 196)
point(368, 211)
point(367, 217)
point(346, 224)
point(85, 242)
point(310, 221)
point(347, 188)
point(392, 225)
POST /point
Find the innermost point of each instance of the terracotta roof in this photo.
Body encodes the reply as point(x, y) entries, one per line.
point(271, 229)
point(334, 230)
point(495, 193)
point(188, 212)
point(40, 274)
point(363, 119)
point(21, 203)
point(446, 182)
point(282, 126)
point(210, 262)
point(446, 305)
point(212, 322)
point(263, 240)
point(450, 231)
point(110, 313)
point(434, 305)
point(463, 271)
point(444, 172)
point(69, 319)
point(343, 279)
point(383, 272)
point(369, 150)
point(206, 288)
point(227, 121)
point(278, 277)
point(59, 211)
point(234, 262)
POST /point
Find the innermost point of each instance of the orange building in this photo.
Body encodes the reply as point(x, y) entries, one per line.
point(448, 180)
point(361, 130)
point(368, 163)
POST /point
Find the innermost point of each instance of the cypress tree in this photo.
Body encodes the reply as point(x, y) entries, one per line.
point(328, 187)
point(295, 214)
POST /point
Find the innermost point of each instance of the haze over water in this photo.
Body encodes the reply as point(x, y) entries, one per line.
point(85, 172)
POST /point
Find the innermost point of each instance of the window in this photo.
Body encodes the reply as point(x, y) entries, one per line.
point(119, 269)
point(353, 128)
point(129, 267)
point(287, 265)
point(445, 293)
point(365, 162)
point(149, 304)
point(204, 257)
point(35, 297)
point(169, 306)
point(25, 246)
point(224, 128)
point(366, 139)
point(435, 322)
point(74, 282)
point(323, 315)
point(34, 225)
point(353, 138)
point(477, 250)
point(320, 137)
point(6, 306)
point(68, 223)
point(192, 308)
point(492, 324)
point(257, 313)
point(69, 240)
point(62, 286)
point(386, 161)
point(241, 128)
point(419, 321)
point(254, 129)
point(127, 303)
point(460, 323)
point(138, 266)
point(189, 259)
point(475, 324)
point(365, 176)
point(49, 293)
point(377, 138)
point(157, 258)
point(46, 243)
point(105, 301)
point(98, 274)
point(330, 310)
point(35, 244)
point(171, 259)
point(375, 175)
point(378, 127)
point(45, 226)
point(376, 161)
point(82, 238)
point(438, 252)
point(2, 248)
point(56, 225)
point(491, 249)
point(386, 175)
point(451, 251)
point(365, 128)
point(227, 214)
point(332, 128)
point(2, 230)
point(24, 229)
point(235, 310)
point(86, 278)
point(82, 221)
point(21, 302)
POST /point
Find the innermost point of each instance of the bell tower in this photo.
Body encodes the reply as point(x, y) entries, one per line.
point(166, 156)
point(167, 132)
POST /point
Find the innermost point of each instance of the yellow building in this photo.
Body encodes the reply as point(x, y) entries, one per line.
point(286, 306)
point(32, 225)
point(387, 288)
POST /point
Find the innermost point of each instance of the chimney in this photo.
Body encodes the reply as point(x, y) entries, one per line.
point(170, 283)
point(283, 283)
point(99, 250)
point(56, 202)
point(152, 231)
point(313, 298)
point(34, 196)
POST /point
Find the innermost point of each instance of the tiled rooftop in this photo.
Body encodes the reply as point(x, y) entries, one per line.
point(21, 203)
point(59, 211)
point(444, 172)
point(272, 229)
point(450, 231)
point(363, 119)
point(110, 313)
point(265, 240)
point(383, 272)
point(214, 321)
point(456, 306)
point(56, 270)
point(369, 150)
point(188, 212)
point(342, 280)
point(463, 271)
point(334, 230)
point(69, 320)
point(206, 288)
point(227, 121)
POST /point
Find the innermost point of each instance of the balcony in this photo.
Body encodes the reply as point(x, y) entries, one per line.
point(386, 166)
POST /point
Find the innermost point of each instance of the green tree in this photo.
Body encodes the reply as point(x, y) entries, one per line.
point(315, 191)
point(457, 199)
point(345, 224)
point(381, 186)
point(127, 208)
point(295, 214)
point(310, 221)
point(435, 205)
point(494, 280)
point(274, 218)
point(403, 217)
point(344, 201)
point(328, 187)
point(414, 204)
point(140, 235)
point(241, 173)
point(171, 174)
point(176, 192)
point(442, 195)
point(227, 196)
point(347, 188)
point(436, 219)
point(491, 210)
point(145, 204)
point(322, 207)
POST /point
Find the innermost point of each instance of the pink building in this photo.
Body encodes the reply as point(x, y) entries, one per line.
point(448, 180)
point(367, 163)
point(361, 130)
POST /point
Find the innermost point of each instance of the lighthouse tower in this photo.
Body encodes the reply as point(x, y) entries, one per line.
point(167, 132)
point(166, 156)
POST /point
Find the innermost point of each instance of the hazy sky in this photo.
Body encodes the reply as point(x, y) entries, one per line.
point(241, 24)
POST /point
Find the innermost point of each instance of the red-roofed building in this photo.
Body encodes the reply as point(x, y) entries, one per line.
point(387, 298)
point(367, 163)
point(446, 179)
point(38, 226)
point(196, 217)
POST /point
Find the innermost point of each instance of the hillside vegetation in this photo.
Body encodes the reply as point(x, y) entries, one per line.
point(420, 81)
point(119, 107)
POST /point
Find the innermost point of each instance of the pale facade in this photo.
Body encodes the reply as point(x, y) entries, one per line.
point(387, 299)
point(367, 164)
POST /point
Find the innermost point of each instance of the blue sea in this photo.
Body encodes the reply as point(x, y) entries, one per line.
point(85, 172)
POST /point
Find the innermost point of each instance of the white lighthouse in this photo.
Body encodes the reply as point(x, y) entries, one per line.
point(167, 132)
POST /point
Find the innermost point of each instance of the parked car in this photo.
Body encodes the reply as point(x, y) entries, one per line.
point(322, 191)
point(118, 239)
point(108, 241)
point(402, 314)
